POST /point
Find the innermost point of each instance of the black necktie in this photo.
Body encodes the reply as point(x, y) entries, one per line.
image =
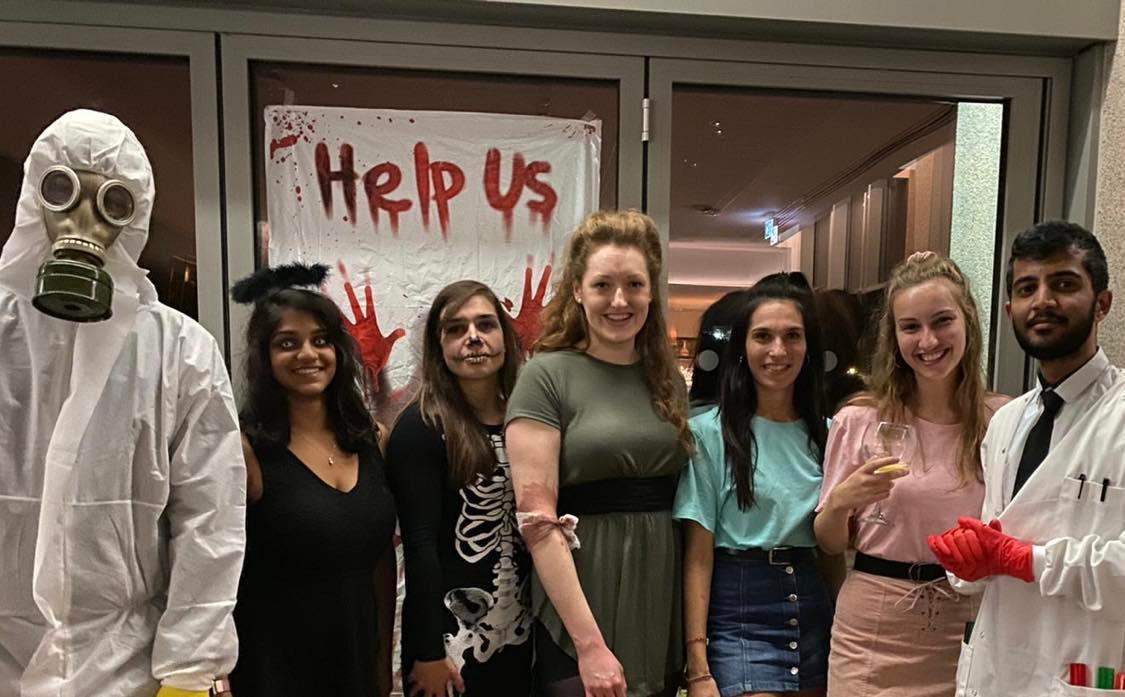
point(1039, 439)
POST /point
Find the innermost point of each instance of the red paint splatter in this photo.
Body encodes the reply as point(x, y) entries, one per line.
point(505, 203)
point(374, 347)
point(422, 181)
point(376, 190)
point(528, 324)
point(444, 190)
point(346, 175)
point(433, 175)
point(545, 206)
point(279, 143)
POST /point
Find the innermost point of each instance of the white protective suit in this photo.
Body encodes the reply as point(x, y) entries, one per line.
point(1027, 634)
point(122, 483)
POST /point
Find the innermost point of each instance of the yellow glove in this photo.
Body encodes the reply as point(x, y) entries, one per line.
point(166, 691)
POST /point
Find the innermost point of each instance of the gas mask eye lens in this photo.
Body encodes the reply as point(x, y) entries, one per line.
point(115, 203)
point(59, 189)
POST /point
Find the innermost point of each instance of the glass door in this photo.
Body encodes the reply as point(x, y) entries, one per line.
point(840, 173)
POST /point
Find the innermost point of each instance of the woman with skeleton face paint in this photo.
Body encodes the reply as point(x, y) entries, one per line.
point(466, 623)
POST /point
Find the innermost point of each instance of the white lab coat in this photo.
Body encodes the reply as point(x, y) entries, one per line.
point(1027, 634)
point(122, 483)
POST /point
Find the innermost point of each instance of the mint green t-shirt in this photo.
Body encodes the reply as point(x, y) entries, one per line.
point(786, 486)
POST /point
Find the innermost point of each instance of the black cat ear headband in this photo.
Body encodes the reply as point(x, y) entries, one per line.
point(262, 282)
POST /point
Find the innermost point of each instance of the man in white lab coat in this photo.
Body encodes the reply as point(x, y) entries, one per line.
point(122, 483)
point(1051, 558)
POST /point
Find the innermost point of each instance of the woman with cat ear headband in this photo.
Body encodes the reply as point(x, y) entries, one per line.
point(316, 602)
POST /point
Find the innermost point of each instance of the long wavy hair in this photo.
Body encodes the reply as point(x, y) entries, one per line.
point(893, 388)
point(564, 322)
point(738, 394)
point(440, 400)
point(265, 414)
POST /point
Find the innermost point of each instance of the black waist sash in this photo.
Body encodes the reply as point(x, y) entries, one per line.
point(625, 495)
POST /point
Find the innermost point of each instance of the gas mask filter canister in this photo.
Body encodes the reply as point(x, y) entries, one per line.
point(83, 213)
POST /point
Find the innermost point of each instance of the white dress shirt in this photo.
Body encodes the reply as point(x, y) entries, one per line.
point(1080, 390)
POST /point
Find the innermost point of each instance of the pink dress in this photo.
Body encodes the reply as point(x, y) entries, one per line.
point(895, 636)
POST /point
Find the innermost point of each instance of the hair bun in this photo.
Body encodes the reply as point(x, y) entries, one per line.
point(799, 279)
point(920, 256)
point(267, 280)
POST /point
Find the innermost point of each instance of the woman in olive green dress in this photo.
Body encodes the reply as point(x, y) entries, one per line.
point(597, 429)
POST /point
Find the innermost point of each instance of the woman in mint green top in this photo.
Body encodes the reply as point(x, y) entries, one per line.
point(756, 610)
point(786, 486)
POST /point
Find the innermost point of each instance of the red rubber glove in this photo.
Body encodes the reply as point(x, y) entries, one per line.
point(973, 551)
point(1007, 555)
point(960, 552)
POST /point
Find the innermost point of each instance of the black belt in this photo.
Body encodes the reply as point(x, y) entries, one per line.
point(778, 556)
point(898, 569)
point(625, 495)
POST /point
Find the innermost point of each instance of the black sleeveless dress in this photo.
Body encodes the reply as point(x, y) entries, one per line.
point(306, 614)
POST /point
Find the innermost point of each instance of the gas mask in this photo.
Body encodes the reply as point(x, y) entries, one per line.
point(83, 213)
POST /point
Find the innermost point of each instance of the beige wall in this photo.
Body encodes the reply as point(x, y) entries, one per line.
point(1109, 215)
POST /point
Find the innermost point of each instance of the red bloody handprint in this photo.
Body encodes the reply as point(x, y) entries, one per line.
point(527, 321)
point(374, 348)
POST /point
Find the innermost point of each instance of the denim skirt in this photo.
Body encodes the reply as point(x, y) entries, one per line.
point(768, 625)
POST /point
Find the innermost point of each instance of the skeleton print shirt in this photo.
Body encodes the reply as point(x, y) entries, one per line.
point(466, 565)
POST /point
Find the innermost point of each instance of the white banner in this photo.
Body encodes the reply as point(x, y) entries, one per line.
point(401, 203)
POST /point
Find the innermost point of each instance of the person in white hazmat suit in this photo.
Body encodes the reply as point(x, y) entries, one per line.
point(122, 482)
point(1051, 560)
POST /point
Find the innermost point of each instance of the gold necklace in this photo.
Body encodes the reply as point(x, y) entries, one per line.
point(321, 448)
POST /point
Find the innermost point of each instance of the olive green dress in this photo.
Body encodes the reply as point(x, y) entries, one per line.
point(629, 564)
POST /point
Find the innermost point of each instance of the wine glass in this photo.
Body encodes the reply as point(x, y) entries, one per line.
point(887, 439)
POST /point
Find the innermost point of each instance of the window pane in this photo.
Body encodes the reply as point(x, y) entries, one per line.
point(368, 87)
point(151, 95)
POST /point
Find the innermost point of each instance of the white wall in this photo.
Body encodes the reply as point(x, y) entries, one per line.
point(1048, 18)
point(1109, 217)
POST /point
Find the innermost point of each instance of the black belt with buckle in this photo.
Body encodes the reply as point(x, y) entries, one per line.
point(778, 556)
point(919, 573)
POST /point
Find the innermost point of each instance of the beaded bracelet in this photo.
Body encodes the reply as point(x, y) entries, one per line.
point(703, 639)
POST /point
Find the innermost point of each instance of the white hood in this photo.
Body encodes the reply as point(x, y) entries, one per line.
point(90, 141)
